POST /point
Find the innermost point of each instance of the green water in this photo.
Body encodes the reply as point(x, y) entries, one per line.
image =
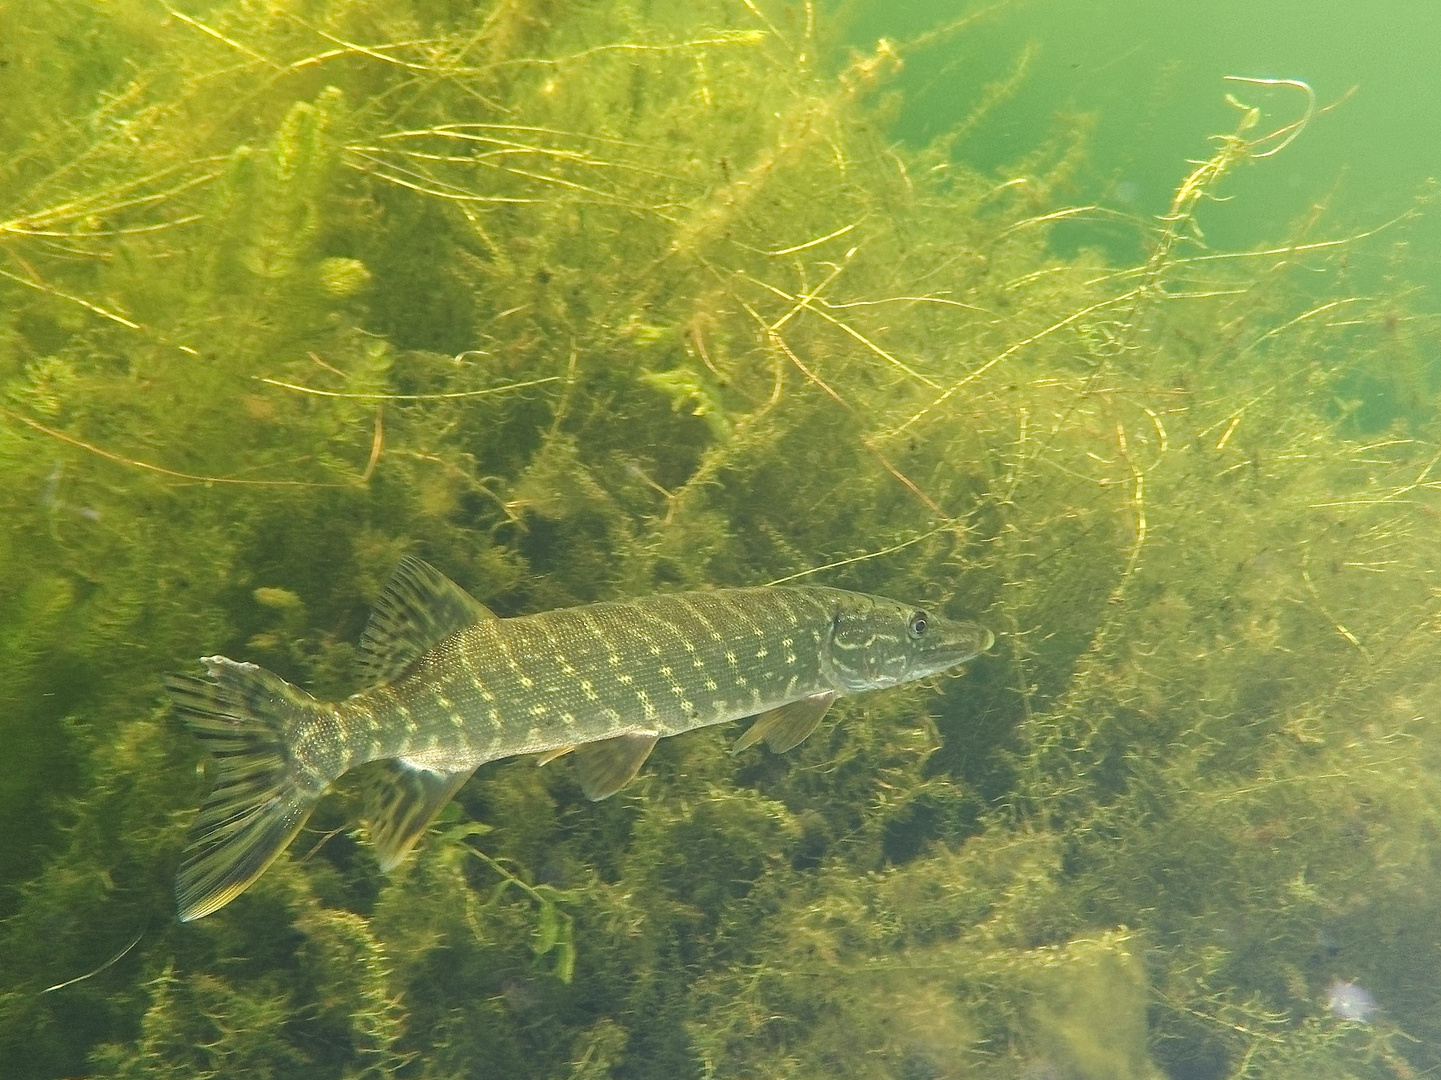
point(1151, 75)
point(581, 301)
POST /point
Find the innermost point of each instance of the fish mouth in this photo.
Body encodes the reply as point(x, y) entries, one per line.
point(971, 640)
point(964, 641)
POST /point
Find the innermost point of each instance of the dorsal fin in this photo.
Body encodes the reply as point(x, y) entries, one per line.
point(419, 608)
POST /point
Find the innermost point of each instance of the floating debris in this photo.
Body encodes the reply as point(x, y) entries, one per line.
point(1350, 1001)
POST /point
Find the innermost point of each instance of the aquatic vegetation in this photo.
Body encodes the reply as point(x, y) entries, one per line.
point(589, 301)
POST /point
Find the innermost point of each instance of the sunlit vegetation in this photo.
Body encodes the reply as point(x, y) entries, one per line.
point(583, 300)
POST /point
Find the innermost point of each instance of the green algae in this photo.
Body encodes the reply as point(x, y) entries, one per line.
point(582, 301)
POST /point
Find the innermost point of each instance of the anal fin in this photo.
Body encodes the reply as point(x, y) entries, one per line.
point(404, 800)
point(787, 727)
point(606, 766)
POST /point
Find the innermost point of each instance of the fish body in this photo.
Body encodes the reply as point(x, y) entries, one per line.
point(455, 687)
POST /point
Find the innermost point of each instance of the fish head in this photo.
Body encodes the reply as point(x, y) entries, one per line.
point(875, 643)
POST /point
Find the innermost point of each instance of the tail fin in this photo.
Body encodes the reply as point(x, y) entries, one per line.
point(247, 718)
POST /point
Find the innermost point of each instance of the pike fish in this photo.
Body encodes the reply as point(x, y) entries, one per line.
point(453, 686)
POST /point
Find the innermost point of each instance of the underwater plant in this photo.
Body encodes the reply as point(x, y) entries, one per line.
point(585, 302)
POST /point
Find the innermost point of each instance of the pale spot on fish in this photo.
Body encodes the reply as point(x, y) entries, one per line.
point(645, 704)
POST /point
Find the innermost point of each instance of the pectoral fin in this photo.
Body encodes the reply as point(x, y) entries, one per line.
point(788, 726)
point(403, 801)
point(607, 766)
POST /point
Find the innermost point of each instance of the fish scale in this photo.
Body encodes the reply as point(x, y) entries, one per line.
point(579, 675)
point(455, 687)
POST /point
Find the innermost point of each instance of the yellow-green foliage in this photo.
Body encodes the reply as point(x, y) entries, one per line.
point(590, 300)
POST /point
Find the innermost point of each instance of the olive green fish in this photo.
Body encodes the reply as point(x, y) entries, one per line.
point(454, 686)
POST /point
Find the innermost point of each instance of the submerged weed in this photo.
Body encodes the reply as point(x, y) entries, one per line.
point(594, 300)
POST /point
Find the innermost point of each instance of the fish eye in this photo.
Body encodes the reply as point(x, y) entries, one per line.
point(919, 621)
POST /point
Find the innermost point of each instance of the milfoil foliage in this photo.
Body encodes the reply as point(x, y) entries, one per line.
point(584, 300)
